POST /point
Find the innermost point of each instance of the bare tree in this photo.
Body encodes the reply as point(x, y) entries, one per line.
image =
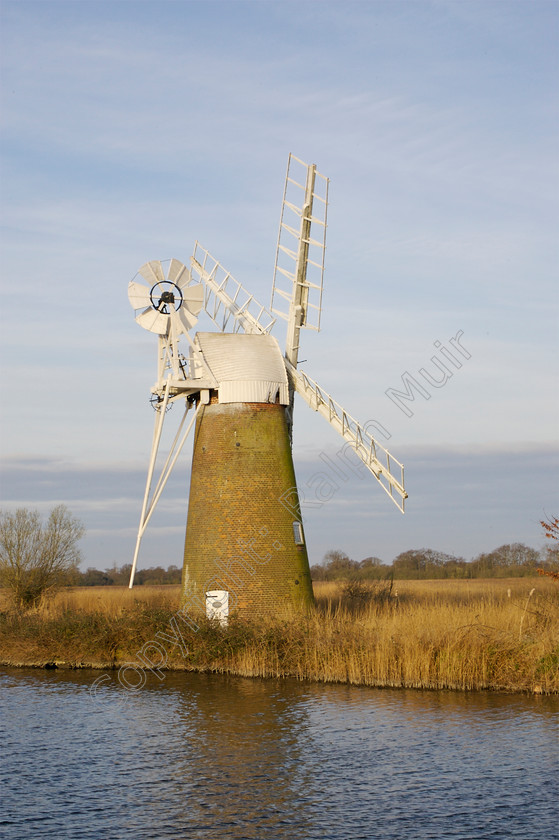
point(35, 557)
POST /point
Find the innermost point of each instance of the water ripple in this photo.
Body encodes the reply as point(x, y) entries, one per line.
point(203, 756)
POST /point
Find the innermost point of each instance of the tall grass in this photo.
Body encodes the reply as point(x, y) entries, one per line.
point(473, 634)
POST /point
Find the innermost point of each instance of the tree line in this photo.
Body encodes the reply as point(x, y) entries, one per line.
point(154, 576)
point(37, 557)
point(511, 560)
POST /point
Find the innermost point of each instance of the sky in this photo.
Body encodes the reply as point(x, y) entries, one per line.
point(132, 129)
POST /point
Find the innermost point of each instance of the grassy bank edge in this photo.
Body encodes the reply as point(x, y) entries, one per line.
point(63, 665)
point(427, 637)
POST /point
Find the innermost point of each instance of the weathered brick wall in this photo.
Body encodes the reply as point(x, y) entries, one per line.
point(243, 502)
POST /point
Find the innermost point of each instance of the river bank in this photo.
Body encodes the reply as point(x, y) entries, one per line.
point(498, 635)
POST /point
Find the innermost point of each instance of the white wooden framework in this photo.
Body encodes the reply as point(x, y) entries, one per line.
point(151, 498)
point(168, 306)
point(299, 270)
point(230, 307)
point(387, 470)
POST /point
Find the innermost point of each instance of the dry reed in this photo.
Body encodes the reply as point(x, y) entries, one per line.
point(476, 634)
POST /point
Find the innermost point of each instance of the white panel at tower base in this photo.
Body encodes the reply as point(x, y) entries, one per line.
point(217, 605)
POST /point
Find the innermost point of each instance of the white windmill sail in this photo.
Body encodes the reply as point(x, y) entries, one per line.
point(300, 265)
point(387, 470)
point(299, 269)
point(230, 307)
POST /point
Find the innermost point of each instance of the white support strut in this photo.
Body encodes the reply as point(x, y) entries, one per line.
point(174, 452)
point(376, 458)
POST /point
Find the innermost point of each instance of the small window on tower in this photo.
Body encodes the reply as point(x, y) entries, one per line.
point(298, 533)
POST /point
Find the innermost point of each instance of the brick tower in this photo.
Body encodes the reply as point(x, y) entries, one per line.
point(244, 534)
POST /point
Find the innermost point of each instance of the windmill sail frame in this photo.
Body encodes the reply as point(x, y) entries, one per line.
point(388, 470)
point(226, 302)
point(301, 246)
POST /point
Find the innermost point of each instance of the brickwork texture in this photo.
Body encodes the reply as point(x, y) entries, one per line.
point(242, 532)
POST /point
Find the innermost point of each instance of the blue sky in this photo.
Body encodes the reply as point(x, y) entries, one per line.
point(131, 129)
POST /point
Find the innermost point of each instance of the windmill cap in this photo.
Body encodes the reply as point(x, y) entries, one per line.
point(248, 368)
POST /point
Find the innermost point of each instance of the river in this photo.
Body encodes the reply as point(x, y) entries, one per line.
point(210, 756)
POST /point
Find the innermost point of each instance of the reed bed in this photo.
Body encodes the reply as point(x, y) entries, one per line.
point(477, 634)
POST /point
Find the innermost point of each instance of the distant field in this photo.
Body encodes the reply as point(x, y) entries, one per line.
point(500, 634)
point(450, 590)
point(111, 599)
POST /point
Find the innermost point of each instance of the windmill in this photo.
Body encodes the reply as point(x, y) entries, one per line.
point(245, 545)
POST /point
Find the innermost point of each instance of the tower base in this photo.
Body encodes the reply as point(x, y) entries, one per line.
point(244, 534)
